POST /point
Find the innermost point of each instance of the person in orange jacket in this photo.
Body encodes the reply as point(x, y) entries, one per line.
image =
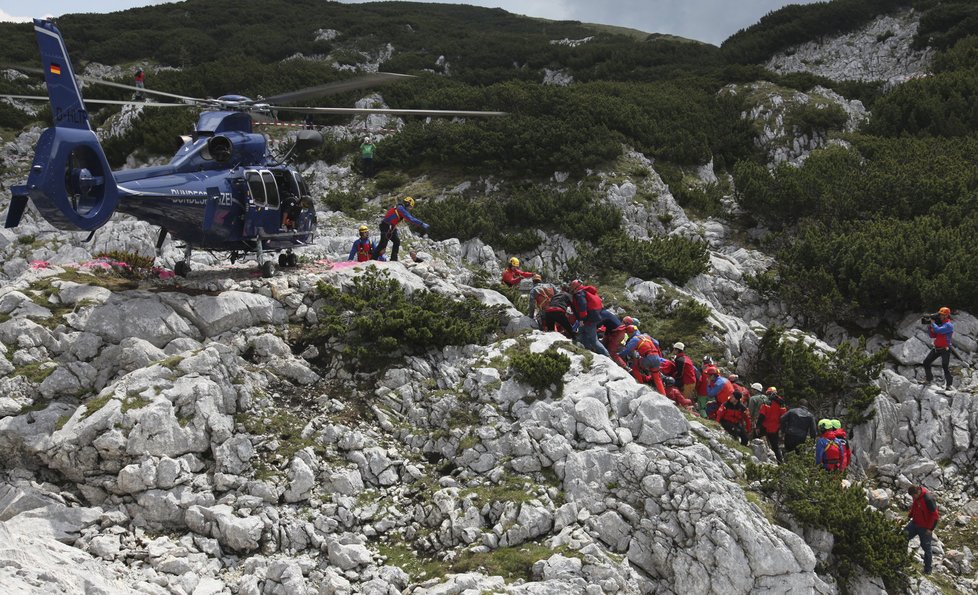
point(735, 418)
point(769, 421)
point(512, 275)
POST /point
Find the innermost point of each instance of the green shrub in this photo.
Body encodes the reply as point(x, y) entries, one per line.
point(347, 202)
point(541, 370)
point(812, 117)
point(844, 378)
point(388, 181)
point(864, 537)
point(377, 322)
point(676, 258)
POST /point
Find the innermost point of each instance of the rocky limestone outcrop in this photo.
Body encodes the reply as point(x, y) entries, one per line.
point(880, 51)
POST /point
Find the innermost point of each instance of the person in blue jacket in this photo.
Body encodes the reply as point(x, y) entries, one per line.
point(388, 227)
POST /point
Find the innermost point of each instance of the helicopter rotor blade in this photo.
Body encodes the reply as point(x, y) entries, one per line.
point(93, 80)
point(354, 111)
point(100, 101)
point(367, 81)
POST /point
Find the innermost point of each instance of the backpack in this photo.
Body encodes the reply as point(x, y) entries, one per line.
point(697, 369)
point(544, 296)
point(711, 409)
point(846, 452)
point(833, 456)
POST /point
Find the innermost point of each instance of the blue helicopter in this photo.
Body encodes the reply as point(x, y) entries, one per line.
point(221, 191)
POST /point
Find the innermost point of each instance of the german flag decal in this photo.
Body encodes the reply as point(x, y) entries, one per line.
point(55, 69)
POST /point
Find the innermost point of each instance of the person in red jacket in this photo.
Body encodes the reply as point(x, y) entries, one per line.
point(388, 227)
point(587, 307)
point(685, 370)
point(941, 331)
point(735, 418)
point(769, 422)
point(923, 520)
point(512, 275)
point(675, 396)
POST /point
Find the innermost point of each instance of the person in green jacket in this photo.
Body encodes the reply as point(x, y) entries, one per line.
point(367, 149)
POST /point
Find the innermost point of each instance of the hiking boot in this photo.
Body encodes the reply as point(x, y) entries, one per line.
point(948, 386)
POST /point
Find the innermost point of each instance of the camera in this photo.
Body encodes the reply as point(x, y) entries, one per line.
point(935, 318)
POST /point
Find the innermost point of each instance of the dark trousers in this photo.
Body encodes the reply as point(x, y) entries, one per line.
point(792, 442)
point(554, 317)
point(925, 543)
point(735, 430)
point(387, 233)
point(368, 166)
point(945, 355)
point(774, 441)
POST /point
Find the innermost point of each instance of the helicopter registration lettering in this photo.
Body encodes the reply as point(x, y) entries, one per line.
point(197, 197)
point(74, 115)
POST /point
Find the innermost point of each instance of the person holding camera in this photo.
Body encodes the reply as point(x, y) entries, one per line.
point(941, 329)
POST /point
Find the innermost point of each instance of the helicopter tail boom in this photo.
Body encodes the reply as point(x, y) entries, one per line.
point(70, 181)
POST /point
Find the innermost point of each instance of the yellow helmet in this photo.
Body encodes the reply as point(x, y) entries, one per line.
point(409, 202)
point(363, 229)
point(514, 262)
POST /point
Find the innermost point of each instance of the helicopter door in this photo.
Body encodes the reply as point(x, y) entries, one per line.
point(263, 214)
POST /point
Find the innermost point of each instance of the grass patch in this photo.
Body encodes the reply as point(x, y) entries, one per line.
point(956, 536)
point(419, 568)
point(509, 489)
point(511, 563)
point(171, 362)
point(36, 373)
point(35, 406)
point(134, 402)
point(61, 421)
point(95, 404)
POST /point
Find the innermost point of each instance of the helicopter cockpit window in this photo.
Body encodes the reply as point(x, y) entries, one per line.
point(257, 188)
point(301, 185)
point(271, 189)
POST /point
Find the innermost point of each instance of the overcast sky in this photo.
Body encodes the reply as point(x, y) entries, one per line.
point(707, 20)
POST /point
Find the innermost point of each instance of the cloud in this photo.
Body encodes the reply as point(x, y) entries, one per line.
point(4, 17)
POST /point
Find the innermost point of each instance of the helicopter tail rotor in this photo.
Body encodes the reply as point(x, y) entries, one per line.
point(70, 181)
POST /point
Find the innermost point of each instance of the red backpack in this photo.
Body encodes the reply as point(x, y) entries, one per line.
point(833, 457)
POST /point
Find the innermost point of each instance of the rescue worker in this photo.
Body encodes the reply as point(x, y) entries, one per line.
point(586, 304)
point(685, 371)
point(733, 378)
point(701, 382)
point(718, 388)
point(829, 453)
point(735, 418)
point(614, 337)
point(923, 517)
point(757, 398)
point(675, 395)
point(363, 248)
point(388, 227)
point(540, 295)
point(646, 358)
point(797, 426)
point(140, 83)
point(367, 149)
point(843, 439)
point(941, 334)
point(769, 421)
point(555, 315)
point(512, 275)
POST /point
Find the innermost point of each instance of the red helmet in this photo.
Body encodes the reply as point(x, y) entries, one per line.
point(712, 370)
point(575, 285)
